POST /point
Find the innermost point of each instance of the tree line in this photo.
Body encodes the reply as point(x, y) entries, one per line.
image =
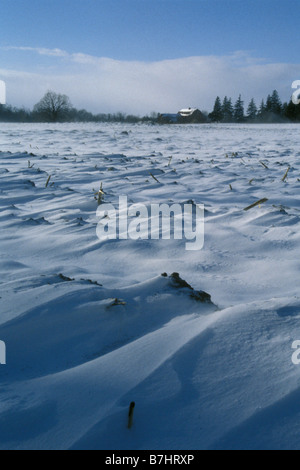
point(55, 107)
point(271, 110)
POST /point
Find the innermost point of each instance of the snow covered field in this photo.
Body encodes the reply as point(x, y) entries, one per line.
point(90, 327)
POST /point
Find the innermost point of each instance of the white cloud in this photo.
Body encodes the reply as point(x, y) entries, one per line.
point(107, 85)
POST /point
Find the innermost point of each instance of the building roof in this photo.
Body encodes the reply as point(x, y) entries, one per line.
point(187, 112)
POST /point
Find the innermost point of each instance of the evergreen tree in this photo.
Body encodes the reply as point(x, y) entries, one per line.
point(284, 109)
point(273, 108)
point(252, 110)
point(276, 103)
point(239, 112)
point(217, 114)
point(292, 112)
point(269, 104)
point(227, 110)
point(262, 110)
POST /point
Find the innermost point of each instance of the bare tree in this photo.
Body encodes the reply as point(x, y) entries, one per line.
point(53, 107)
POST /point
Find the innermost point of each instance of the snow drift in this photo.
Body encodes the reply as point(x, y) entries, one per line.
point(205, 352)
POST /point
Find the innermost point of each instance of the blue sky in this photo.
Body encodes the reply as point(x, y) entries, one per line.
point(52, 43)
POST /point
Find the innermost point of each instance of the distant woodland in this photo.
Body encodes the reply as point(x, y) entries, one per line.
point(54, 107)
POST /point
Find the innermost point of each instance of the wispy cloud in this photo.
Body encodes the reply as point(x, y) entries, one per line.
point(108, 85)
point(37, 50)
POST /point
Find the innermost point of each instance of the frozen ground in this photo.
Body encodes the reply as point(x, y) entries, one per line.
point(90, 326)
